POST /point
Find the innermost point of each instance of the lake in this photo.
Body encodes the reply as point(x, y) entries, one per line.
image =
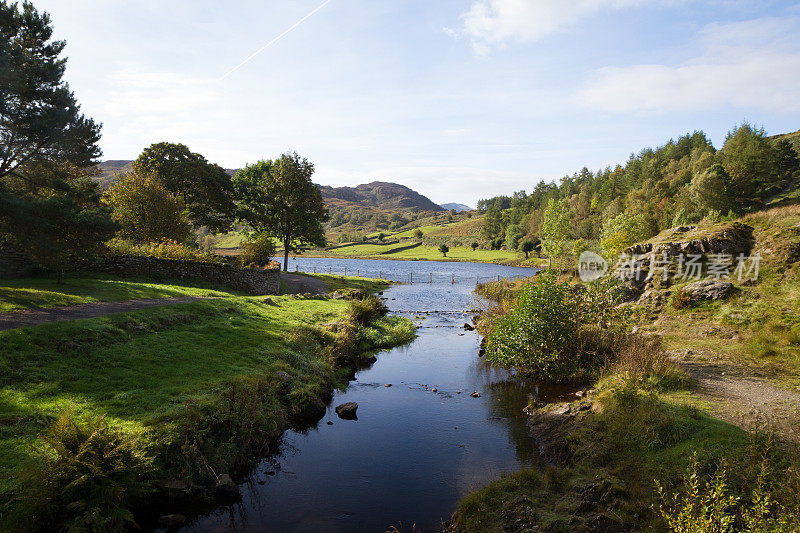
point(418, 445)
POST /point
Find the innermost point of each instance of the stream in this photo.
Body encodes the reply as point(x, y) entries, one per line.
point(419, 444)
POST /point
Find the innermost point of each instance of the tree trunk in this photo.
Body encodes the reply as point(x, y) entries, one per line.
point(60, 277)
point(526, 255)
point(286, 255)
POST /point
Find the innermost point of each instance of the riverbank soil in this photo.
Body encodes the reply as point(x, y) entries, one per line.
point(186, 391)
point(723, 449)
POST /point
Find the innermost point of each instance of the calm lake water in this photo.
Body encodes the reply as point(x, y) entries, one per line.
point(414, 451)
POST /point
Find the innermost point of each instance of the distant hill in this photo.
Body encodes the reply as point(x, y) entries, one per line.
point(380, 194)
point(457, 207)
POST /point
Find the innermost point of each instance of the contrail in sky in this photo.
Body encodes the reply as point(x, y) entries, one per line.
point(275, 40)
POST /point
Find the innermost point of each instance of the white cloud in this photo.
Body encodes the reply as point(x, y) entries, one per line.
point(751, 64)
point(492, 23)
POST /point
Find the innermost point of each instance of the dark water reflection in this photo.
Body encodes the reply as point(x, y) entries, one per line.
point(414, 451)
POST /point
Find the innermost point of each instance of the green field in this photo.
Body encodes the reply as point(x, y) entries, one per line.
point(26, 293)
point(142, 370)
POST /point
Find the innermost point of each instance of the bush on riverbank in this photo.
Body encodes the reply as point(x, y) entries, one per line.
point(557, 331)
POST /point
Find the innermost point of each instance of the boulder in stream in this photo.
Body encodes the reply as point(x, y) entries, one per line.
point(347, 411)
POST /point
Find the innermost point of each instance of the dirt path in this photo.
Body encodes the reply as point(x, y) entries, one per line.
point(44, 315)
point(299, 284)
point(748, 401)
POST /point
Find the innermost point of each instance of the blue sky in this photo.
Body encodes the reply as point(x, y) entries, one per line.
point(459, 100)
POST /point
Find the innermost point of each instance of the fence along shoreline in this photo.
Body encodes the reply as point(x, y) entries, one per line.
point(411, 278)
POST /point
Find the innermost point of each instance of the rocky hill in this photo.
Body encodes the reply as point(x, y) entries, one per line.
point(457, 207)
point(380, 194)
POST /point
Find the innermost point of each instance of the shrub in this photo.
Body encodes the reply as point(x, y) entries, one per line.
point(258, 249)
point(164, 249)
point(89, 476)
point(643, 360)
point(710, 504)
point(363, 312)
point(556, 331)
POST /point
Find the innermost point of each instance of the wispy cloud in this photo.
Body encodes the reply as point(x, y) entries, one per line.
point(750, 64)
point(493, 23)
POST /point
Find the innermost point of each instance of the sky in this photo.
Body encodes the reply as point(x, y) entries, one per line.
point(457, 99)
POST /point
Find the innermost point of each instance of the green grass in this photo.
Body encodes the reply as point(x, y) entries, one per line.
point(617, 454)
point(25, 293)
point(427, 253)
point(141, 370)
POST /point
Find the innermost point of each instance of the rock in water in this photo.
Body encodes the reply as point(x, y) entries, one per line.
point(476, 394)
point(468, 326)
point(347, 411)
point(226, 489)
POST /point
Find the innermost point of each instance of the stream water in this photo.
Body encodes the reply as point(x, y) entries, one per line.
point(420, 444)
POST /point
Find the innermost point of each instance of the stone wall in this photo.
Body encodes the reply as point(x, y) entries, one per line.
point(13, 264)
point(249, 280)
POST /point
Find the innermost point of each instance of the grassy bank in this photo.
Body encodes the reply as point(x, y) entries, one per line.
point(25, 293)
point(199, 388)
point(697, 436)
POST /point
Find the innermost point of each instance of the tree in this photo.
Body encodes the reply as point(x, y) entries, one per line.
point(620, 232)
point(49, 205)
point(709, 190)
point(381, 236)
point(475, 246)
point(418, 234)
point(749, 159)
point(527, 247)
point(556, 228)
point(146, 211)
point(205, 187)
point(40, 120)
point(444, 249)
point(278, 198)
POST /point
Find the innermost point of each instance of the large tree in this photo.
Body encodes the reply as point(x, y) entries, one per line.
point(205, 187)
point(49, 204)
point(40, 120)
point(278, 198)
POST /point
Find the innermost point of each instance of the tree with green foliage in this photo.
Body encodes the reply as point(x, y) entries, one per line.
point(381, 236)
point(556, 228)
point(620, 232)
point(278, 198)
point(40, 120)
point(418, 234)
point(750, 160)
point(49, 204)
point(443, 248)
point(709, 190)
point(474, 246)
point(206, 188)
point(527, 247)
point(146, 210)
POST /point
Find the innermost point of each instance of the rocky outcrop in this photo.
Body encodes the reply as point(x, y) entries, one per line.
point(654, 265)
point(706, 289)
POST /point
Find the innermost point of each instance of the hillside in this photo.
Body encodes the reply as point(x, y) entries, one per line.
point(457, 207)
point(380, 194)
